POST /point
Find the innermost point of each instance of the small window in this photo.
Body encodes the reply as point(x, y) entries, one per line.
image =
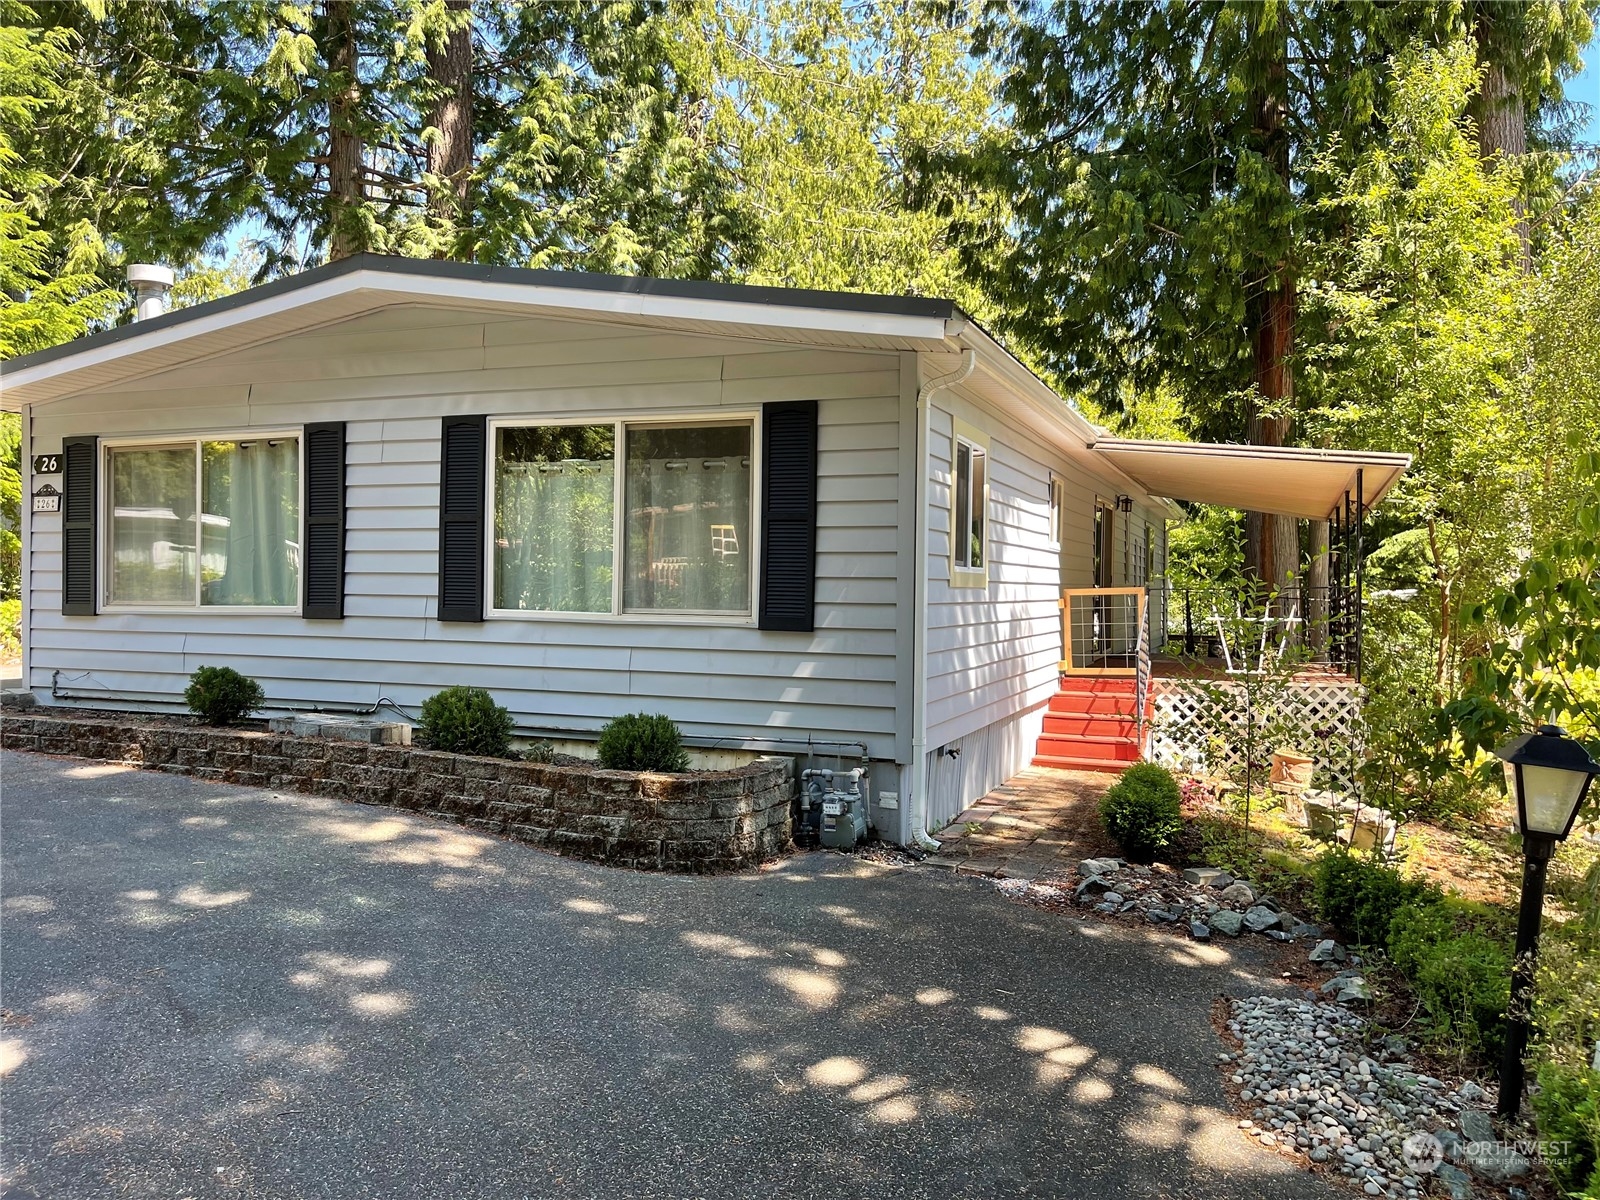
point(1058, 505)
point(204, 523)
point(684, 493)
point(969, 544)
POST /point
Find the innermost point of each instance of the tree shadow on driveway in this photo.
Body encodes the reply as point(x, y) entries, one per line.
point(219, 991)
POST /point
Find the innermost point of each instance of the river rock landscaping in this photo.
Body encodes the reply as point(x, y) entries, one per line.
point(1319, 1081)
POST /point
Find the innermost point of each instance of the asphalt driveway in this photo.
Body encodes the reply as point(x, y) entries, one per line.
point(216, 991)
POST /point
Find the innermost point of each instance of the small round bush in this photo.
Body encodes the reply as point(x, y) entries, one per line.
point(1143, 810)
point(642, 742)
point(1360, 896)
point(466, 720)
point(221, 696)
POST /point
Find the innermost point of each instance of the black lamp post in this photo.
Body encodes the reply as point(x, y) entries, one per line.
point(1549, 773)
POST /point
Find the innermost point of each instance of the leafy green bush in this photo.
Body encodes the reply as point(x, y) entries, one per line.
point(1143, 810)
point(466, 720)
point(221, 696)
point(1567, 1109)
point(641, 742)
point(1361, 896)
point(10, 627)
point(1461, 976)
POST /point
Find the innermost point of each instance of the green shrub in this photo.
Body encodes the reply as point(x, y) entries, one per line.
point(1567, 1109)
point(221, 696)
point(466, 720)
point(1462, 977)
point(1361, 896)
point(1143, 810)
point(641, 742)
point(10, 627)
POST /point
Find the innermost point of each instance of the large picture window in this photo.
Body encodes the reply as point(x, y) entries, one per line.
point(674, 499)
point(204, 523)
point(555, 487)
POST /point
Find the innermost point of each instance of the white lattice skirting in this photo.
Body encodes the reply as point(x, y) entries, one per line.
point(1189, 730)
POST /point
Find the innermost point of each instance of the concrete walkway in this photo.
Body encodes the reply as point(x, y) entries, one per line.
point(218, 992)
point(1038, 824)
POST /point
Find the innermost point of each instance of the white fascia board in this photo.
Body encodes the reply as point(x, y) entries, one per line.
point(388, 289)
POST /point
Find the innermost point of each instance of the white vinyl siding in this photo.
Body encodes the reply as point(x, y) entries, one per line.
point(391, 375)
point(994, 654)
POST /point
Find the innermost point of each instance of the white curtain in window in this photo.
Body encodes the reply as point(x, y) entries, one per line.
point(554, 500)
point(250, 523)
point(152, 525)
point(688, 519)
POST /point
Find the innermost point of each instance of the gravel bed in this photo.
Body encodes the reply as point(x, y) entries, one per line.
point(1318, 1089)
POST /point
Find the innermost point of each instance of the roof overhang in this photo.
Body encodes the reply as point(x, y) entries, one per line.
point(1290, 481)
point(360, 285)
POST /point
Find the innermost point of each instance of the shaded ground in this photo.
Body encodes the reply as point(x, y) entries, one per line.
point(212, 991)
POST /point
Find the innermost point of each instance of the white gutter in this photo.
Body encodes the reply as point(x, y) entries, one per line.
point(917, 814)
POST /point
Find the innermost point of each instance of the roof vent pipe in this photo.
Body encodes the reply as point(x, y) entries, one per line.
point(150, 287)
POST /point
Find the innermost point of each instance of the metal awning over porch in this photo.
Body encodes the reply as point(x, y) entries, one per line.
point(1291, 481)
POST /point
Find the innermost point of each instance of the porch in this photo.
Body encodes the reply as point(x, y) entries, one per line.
point(1137, 660)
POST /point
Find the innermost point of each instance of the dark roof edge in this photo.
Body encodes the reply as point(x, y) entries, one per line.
point(684, 289)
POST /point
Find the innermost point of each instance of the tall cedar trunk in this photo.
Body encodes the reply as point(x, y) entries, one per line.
point(346, 179)
point(450, 156)
point(1502, 116)
point(1272, 548)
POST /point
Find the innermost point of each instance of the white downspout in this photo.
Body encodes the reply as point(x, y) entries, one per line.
point(917, 817)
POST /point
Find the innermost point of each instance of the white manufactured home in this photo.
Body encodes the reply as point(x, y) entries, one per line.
point(796, 522)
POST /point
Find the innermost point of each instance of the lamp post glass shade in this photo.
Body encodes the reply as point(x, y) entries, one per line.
point(1549, 773)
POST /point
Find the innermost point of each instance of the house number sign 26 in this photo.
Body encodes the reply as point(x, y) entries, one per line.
point(47, 464)
point(46, 499)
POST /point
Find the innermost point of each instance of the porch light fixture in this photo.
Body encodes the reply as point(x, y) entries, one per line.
point(1125, 503)
point(1550, 774)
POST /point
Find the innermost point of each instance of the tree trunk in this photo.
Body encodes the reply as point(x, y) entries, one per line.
point(1502, 115)
point(450, 153)
point(1272, 551)
point(1317, 593)
point(346, 175)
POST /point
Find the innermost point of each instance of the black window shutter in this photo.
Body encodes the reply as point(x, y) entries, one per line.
point(464, 447)
point(80, 464)
point(788, 515)
point(322, 566)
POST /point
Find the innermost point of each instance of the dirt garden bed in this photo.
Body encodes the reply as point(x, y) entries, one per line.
point(699, 822)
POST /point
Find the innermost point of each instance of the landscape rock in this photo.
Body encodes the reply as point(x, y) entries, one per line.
point(1237, 893)
point(1259, 920)
point(1093, 883)
point(1476, 1126)
point(1303, 930)
point(1222, 881)
point(1496, 1162)
point(1099, 866)
point(1224, 921)
point(1202, 876)
point(1456, 1181)
point(1470, 1093)
point(1200, 931)
point(1328, 951)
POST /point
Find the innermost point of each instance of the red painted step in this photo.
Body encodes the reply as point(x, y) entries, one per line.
point(1070, 763)
point(1118, 748)
point(1115, 725)
point(1086, 703)
point(1090, 725)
